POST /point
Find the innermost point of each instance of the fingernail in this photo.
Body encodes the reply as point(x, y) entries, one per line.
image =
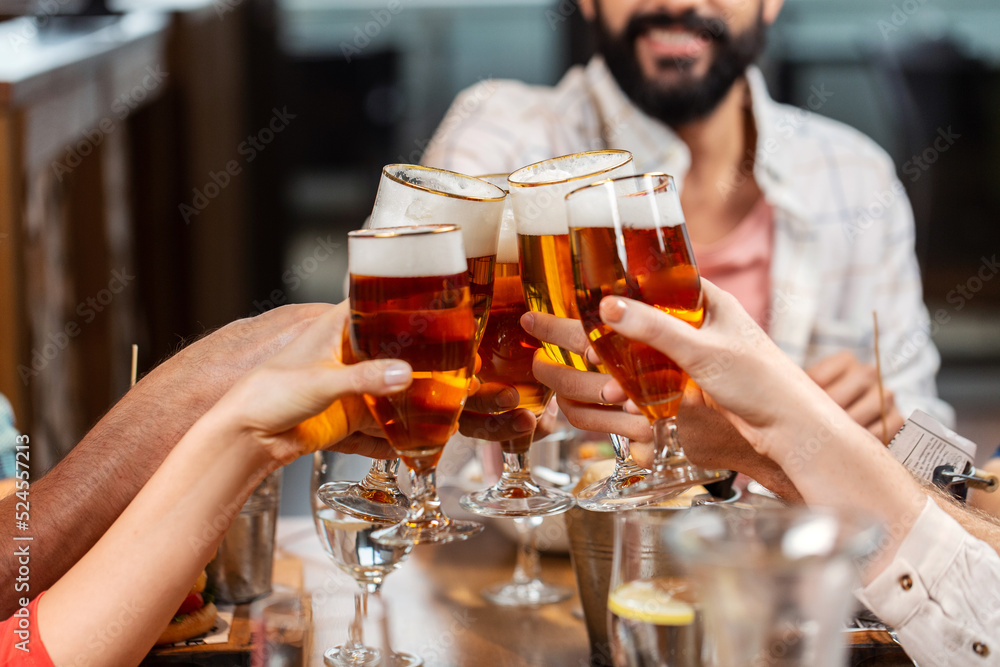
point(528, 322)
point(396, 375)
point(508, 398)
point(553, 407)
point(612, 310)
point(524, 422)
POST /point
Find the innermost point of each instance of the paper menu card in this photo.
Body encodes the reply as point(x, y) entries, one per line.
point(923, 444)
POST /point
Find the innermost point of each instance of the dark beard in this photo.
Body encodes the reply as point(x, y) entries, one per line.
point(690, 98)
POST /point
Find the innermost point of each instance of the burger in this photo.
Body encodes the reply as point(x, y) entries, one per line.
point(194, 617)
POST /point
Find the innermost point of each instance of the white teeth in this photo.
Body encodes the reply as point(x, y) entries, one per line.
point(673, 37)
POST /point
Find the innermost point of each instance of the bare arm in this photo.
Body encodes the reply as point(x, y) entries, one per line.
point(977, 520)
point(780, 411)
point(75, 503)
point(171, 529)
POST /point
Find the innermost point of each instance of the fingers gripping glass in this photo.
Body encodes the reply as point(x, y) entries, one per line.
point(628, 238)
point(506, 352)
point(410, 300)
point(411, 194)
point(538, 194)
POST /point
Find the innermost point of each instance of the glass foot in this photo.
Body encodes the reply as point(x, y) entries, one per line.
point(526, 594)
point(514, 501)
point(338, 656)
point(608, 495)
point(372, 505)
point(435, 531)
point(672, 481)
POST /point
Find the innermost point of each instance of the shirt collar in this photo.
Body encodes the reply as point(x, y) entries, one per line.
point(656, 147)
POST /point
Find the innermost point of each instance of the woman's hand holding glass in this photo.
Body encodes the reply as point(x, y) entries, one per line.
point(305, 398)
point(593, 402)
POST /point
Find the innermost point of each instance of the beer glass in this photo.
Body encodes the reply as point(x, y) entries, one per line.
point(348, 541)
point(410, 300)
point(409, 195)
point(537, 195)
point(627, 238)
point(506, 352)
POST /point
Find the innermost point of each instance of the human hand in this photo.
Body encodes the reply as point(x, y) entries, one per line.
point(579, 393)
point(175, 394)
point(854, 387)
point(305, 398)
point(743, 374)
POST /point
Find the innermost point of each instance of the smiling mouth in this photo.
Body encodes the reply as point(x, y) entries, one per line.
point(674, 42)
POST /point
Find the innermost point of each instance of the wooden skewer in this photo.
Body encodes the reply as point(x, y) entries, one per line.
point(881, 389)
point(135, 361)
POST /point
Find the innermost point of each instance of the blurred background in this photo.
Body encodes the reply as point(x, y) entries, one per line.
point(168, 166)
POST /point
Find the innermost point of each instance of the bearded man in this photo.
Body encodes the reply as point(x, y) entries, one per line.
point(798, 216)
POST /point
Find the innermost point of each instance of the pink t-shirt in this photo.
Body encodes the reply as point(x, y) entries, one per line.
point(740, 262)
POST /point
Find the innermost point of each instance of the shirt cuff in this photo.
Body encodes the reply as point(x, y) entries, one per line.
point(923, 558)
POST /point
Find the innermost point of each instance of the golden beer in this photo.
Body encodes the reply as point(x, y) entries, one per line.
point(655, 268)
point(506, 349)
point(537, 195)
point(410, 300)
point(547, 276)
point(411, 194)
point(481, 271)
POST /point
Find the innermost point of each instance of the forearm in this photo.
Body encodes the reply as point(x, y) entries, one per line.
point(153, 551)
point(836, 463)
point(80, 498)
point(981, 525)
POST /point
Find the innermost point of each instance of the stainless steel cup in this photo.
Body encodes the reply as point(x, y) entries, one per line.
point(242, 569)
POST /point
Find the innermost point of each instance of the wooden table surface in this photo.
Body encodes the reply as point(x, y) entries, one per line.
point(436, 610)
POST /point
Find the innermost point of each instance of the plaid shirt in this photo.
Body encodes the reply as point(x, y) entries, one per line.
point(8, 434)
point(843, 227)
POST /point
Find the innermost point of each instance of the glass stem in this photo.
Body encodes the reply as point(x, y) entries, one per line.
point(625, 467)
point(425, 506)
point(355, 647)
point(528, 567)
point(516, 469)
point(668, 445)
point(382, 475)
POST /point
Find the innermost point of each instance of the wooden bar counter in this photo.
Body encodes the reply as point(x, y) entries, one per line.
point(436, 610)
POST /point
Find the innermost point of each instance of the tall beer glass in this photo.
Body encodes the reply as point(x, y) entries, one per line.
point(411, 195)
point(506, 352)
point(627, 238)
point(410, 300)
point(537, 195)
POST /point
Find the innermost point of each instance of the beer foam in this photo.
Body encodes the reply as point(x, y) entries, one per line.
point(413, 195)
point(619, 203)
point(537, 191)
point(406, 252)
point(507, 244)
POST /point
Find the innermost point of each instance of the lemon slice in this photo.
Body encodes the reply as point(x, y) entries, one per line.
point(650, 602)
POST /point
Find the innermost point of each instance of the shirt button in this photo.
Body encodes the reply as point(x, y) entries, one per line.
point(905, 582)
point(981, 649)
